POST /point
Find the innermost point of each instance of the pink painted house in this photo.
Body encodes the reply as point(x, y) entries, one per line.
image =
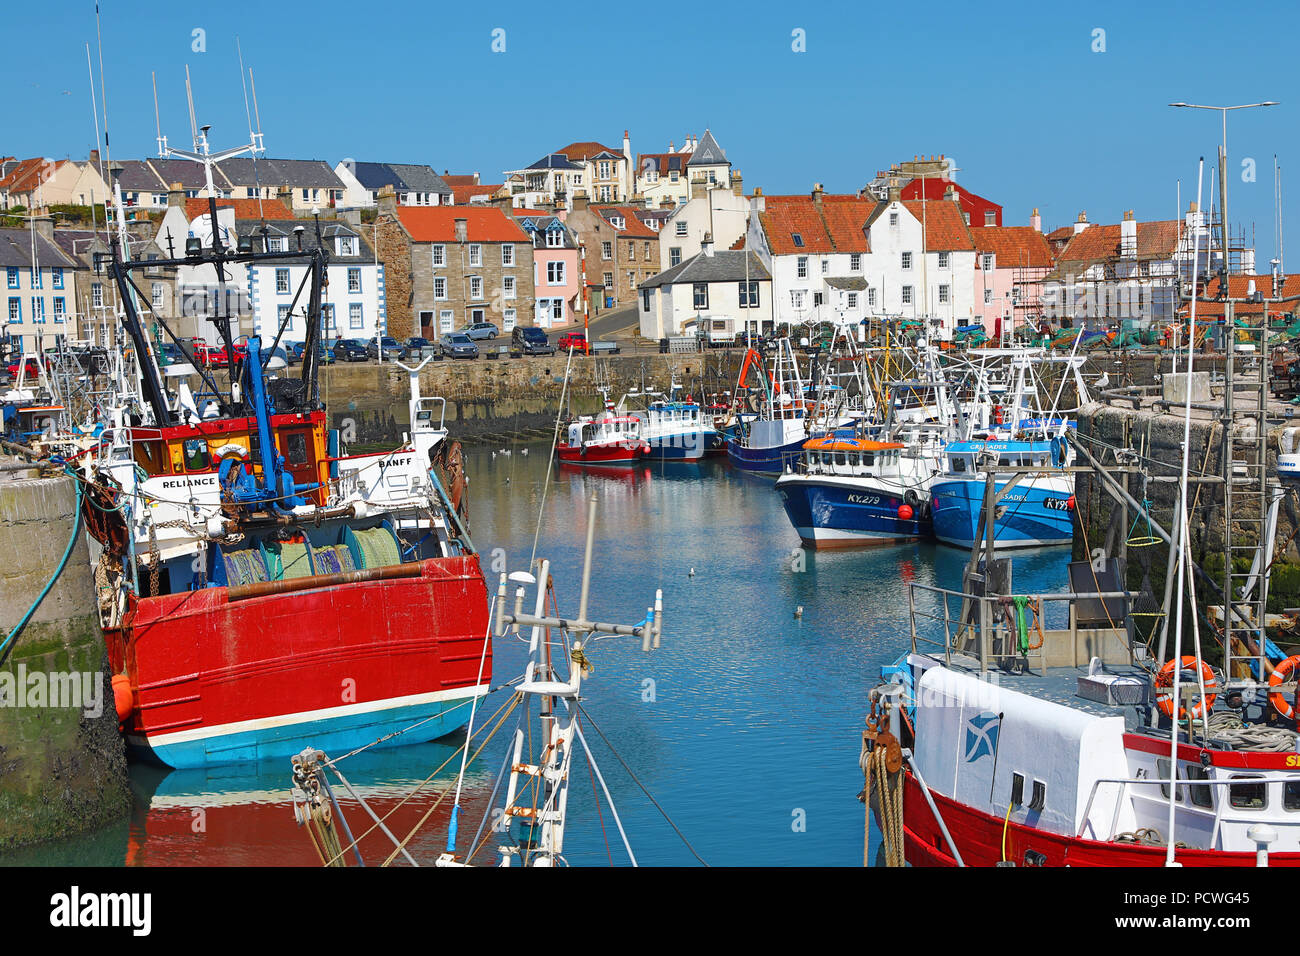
point(1010, 265)
point(557, 273)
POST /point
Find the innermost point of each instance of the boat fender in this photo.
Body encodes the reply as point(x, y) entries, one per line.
point(1059, 449)
point(1283, 672)
point(123, 700)
point(905, 512)
point(911, 497)
point(1164, 688)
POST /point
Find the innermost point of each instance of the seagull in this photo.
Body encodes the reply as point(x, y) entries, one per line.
point(691, 573)
point(524, 452)
point(798, 611)
point(1104, 380)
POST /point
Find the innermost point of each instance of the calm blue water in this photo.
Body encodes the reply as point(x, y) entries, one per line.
point(751, 739)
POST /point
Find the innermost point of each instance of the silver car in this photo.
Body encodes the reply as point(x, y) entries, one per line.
point(458, 345)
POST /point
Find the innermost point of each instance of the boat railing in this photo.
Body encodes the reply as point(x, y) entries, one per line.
point(978, 627)
point(1256, 778)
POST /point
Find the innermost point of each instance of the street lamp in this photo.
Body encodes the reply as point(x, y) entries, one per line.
point(1223, 162)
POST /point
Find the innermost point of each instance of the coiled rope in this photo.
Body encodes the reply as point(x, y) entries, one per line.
point(887, 790)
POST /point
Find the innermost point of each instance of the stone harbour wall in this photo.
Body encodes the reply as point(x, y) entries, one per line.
point(62, 760)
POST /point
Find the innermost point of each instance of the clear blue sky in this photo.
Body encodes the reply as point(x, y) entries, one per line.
point(1015, 92)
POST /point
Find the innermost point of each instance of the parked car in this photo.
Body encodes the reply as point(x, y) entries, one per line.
point(574, 340)
point(351, 350)
point(33, 367)
point(216, 357)
point(169, 353)
point(418, 347)
point(324, 356)
point(392, 349)
point(458, 345)
point(479, 330)
point(530, 340)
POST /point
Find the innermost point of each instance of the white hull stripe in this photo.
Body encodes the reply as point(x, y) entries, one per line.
point(306, 716)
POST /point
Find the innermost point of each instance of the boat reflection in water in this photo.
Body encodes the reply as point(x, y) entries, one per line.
point(243, 815)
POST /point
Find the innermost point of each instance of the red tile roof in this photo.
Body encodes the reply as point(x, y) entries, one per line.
point(272, 210)
point(1014, 246)
point(1155, 240)
point(971, 203)
point(1238, 287)
point(1065, 232)
point(27, 175)
point(438, 223)
point(459, 180)
point(835, 226)
point(738, 244)
point(463, 194)
point(576, 152)
point(661, 162)
point(633, 227)
point(945, 229)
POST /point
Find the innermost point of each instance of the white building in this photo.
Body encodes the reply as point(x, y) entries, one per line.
point(719, 213)
point(720, 291)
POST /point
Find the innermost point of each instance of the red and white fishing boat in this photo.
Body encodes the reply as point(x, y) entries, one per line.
point(258, 586)
point(607, 439)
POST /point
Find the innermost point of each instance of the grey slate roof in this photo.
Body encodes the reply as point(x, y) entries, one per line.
point(403, 177)
point(189, 175)
point(544, 224)
point(139, 176)
point(554, 161)
point(725, 266)
point(329, 230)
point(295, 173)
point(16, 250)
point(708, 153)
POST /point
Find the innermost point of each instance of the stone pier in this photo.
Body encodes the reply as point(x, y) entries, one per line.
point(62, 760)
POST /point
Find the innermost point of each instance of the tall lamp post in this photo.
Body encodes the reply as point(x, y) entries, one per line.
point(1223, 173)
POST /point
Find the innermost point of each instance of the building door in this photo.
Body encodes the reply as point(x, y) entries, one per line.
point(426, 324)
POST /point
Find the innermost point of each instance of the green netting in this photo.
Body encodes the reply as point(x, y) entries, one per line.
point(378, 547)
point(244, 567)
point(333, 560)
point(288, 559)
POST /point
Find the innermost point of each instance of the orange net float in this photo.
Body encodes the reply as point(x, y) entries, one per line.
point(1165, 683)
point(1281, 673)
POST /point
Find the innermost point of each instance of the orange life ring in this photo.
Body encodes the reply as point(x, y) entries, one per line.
point(1280, 673)
point(1165, 682)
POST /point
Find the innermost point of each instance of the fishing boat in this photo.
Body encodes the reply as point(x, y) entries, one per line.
point(850, 492)
point(1033, 506)
point(673, 429)
point(1002, 740)
point(607, 439)
point(258, 585)
point(783, 417)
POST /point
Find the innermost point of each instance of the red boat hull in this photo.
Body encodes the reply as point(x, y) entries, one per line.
point(979, 839)
point(234, 680)
point(615, 453)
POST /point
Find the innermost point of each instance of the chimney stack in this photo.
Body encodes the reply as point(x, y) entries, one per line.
point(1082, 222)
point(176, 195)
point(462, 230)
point(706, 246)
point(737, 184)
point(1128, 235)
point(580, 202)
point(817, 194)
point(1036, 221)
point(387, 201)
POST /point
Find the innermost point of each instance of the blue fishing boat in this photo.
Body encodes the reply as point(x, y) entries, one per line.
point(850, 492)
point(673, 430)
point(1036, 511)
point(785, 417)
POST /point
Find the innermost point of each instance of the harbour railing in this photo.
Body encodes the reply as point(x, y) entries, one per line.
point(1002, 629)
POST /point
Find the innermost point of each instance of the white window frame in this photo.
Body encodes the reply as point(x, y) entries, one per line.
point(801, 267)
point(356, 316)
point(476, 288)
point(507, 255)
point(508, 287)
point(439, 253)
point(555, 272)
point(354, 278)
point(281, 287)
point(440, 283)
point(906, 260)
point(475, 254)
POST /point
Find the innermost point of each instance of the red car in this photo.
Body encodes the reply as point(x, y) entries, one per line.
point(215, 355)
point(33, 367)
point(575, 340)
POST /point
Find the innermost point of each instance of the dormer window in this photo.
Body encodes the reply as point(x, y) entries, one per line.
point(554, 238)
point(347, 245)
point(616, 221)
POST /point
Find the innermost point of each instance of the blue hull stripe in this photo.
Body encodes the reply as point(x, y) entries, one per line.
point(335, 735)
point(863, 512)
point(1038, 518)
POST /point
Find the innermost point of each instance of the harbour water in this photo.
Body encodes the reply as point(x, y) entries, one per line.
point(745, 725)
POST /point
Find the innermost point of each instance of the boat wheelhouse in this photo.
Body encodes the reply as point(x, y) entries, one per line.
point(607, 440)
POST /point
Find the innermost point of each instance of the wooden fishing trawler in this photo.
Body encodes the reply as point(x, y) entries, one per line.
point(257, 585)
